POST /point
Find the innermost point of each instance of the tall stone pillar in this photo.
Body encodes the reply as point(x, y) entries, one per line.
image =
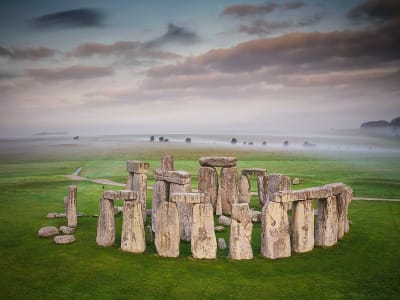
point(326, 231)
point(228, 189)
point(244, 189)
point(185, 211)
point(137, 181)
point(208, 184)
point(240, 235)
point(302, 227)
point(106, 222)
point(167, 231)
point(72, 219)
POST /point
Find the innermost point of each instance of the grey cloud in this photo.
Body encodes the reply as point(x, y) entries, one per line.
point(175, 34)
point(242, 10)
point(28, 53)
point(76, 18)
point(77, 72)
point(376, 10)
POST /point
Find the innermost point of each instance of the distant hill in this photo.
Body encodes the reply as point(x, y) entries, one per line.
point(395, 122)
point(375, 124)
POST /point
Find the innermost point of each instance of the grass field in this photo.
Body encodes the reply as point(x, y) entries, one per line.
point(364, 265)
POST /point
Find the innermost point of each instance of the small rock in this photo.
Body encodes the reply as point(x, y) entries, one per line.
point(255, 216)
point(54, 215)
point(148, 211)
point(221, 243)
point(296, 181)
point(315, 211)
point(118, 210)
point(67, 230)
point(81, 214)
point(64, 239)
point(148, 234)
point(223, 220)
point(219, 228)
point(48, 231)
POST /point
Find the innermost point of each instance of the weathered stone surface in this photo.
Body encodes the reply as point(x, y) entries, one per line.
point(342, 206)
point(64, 239)
point(326, 231)
point(67, 230)
point(106, 223)
point(178, 177)
point(47, 231)
point(193, 198)
point(275, 238)
point(318, 192)
point(255, 216)
point(54, 215)
point(160, 195)
point(132, 236)
point(185, 211)
point(148, 233)
point(208, 184)
point(228, 190)
point(262, 183)
point(336, 187)
point(72, 219)
point(349, 195)
point(110, 195)
point(167, 231)
point(127, 195)
point(221, 243)
point(296, 181)
point(302, 226)
point(118, 210)
point(240, 236)
point(254, 171)
point(167, 162)
point(140, 187)
point(244, 189)
point(276, 183)
point(129, 181)
point(138, 167)
point(223, 220)
point(203, 242)
point(218, 161)
point(219, 228)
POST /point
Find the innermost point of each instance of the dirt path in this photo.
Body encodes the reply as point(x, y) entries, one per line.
point(75, 176)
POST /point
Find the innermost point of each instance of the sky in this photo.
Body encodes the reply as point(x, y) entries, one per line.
point(154, 67)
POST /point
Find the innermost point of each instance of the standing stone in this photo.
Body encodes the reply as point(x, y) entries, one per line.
point(160, 195)
point(106, 223)
point(132, 236)
point(203, 242)
point(228, 189)
point(240, 236)
point(326, 232)
point(275, 238)
point(129, 181)
point(218, 209)
point(349, 196)
point(302, 226)
point(244, 189)
point(221, 243)
point(140, 186)
point(167, 162)
point(185, 211)
point(148, 234)
point(66, 200)
point(276, 183)
point(208, 184)
point(72, 219)
point(262, 184)
point(167, 231)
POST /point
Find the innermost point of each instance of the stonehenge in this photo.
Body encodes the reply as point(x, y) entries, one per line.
point(178, 214)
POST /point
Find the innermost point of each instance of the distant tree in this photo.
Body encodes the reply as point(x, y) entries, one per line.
point(166, 140)
point(264, 143)
point(161, 139)
point(188, 140)
point(250, 143)
point(152, 138)
point(244, 142)
point(233, 141)
point(285, 143)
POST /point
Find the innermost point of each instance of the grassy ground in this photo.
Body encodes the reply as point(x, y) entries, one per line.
point(364, 265)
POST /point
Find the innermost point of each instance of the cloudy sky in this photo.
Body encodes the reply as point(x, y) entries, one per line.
point(103, 67)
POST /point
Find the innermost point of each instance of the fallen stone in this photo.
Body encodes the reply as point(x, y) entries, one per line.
point(47, 231)
point(167, 231)
point(81, 214)
point(254, 171)
point(64, 239)
point(193, 198)
point(138, 167)
point(224, 220)
point(219, 228)
point(55, 215)
point(255, 216)
point(296, 181)
point(228, 190)
point(203, 242)
point(208, 184)
point(221, 243)
point(218, 161)
point(67, 230)
point(167, 162)
point(178, 177)
point(244, 189)
point(240, 235)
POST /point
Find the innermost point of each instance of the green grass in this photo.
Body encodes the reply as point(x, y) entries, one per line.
point(364, 265)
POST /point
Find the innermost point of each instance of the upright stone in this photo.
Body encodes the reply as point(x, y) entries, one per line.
point(185, 211)
point(148, 233)
point(326, 232)
point(203, 241)
point(240, 236)
point(262, 184)
point(167, 231)
point(167, 162)
point(302, 226)
point(349, 196)
point(343, 200)
point(228, 189)
point(208, 184)
point(275, 238)
point(72, 219)
point(106, 223)
point(140, 186)
point(132, 236)
point(244, 189)
point(276, 183)
point(160, 195)
point(129, 181)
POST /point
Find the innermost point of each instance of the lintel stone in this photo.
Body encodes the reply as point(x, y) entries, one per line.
point(179, 177)
point(254, 171)
point(218, 161)
point(194, 198)
point(135, 166)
